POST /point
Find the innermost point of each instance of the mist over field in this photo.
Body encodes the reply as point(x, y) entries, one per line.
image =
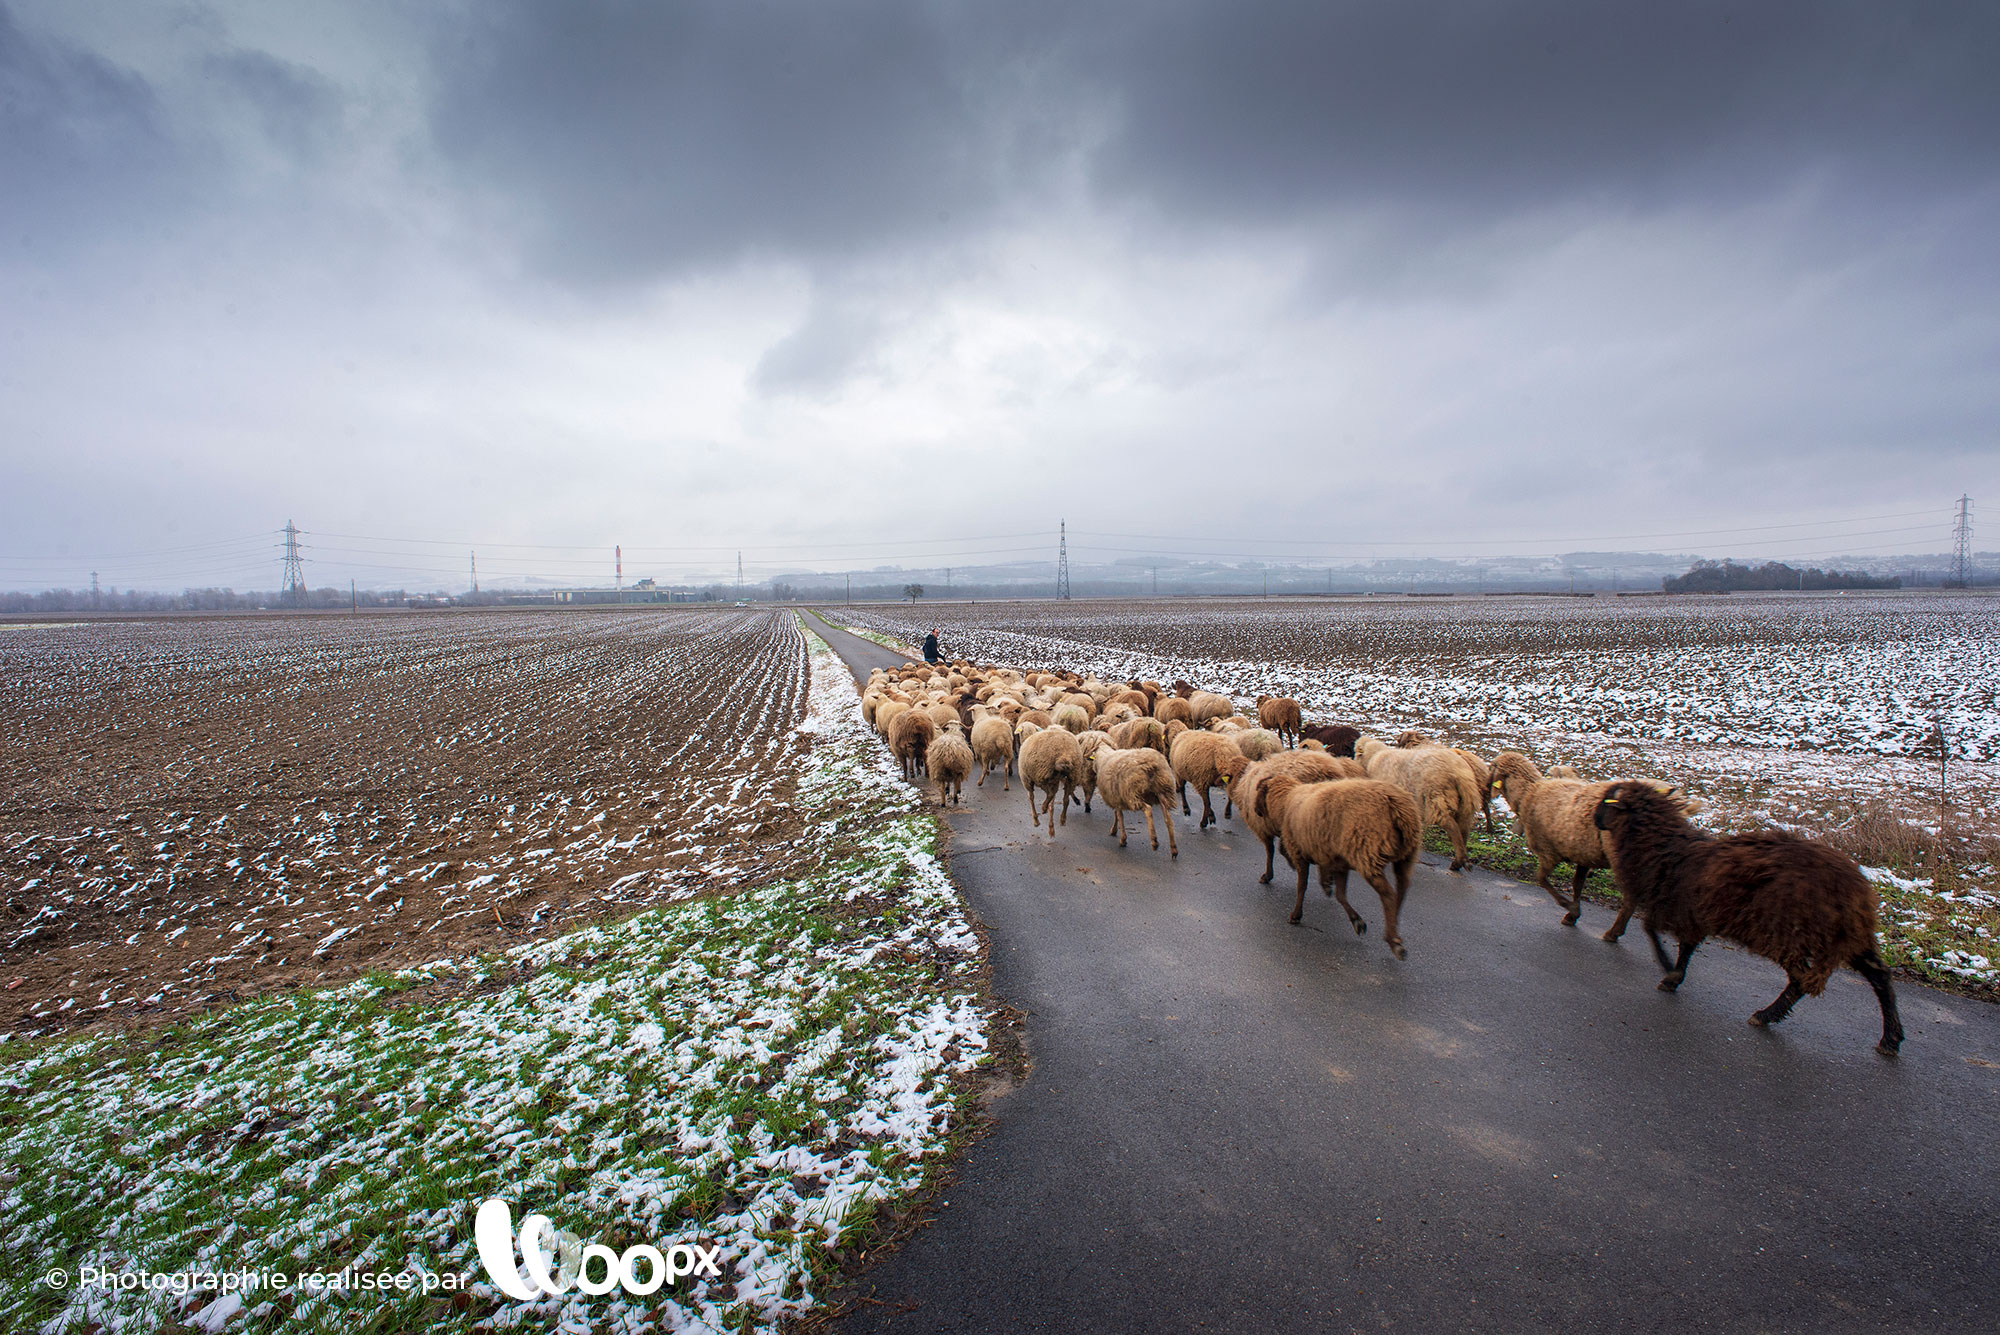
point(902, 285)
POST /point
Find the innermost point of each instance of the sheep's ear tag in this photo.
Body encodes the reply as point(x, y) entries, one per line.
point(1610, 801)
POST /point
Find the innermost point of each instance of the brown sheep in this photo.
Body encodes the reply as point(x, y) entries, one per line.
point(1049, 760)
point(1564, 772)
point(1206, 761)
point(1256, 743)
point(886, 714)
point(993, 744)
point(943, 716)
point(1140, 732)
point(1306, 767)
point(949, 760)
point(1041, 718)
point(1337, 738)
point(1801, 905)
point(1137, 780)
point(1140, 702)
point(909, 737)
point(1358, 824)
point(1184, 690)
point(1170, 707)
point(1280, 713)
point(1436, 778)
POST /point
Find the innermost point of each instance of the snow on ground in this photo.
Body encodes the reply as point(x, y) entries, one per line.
point(758, 1070)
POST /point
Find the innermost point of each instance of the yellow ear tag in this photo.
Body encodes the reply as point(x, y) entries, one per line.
point(1610, 801)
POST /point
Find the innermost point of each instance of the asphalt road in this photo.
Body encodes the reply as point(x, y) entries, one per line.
point(1237, 1124)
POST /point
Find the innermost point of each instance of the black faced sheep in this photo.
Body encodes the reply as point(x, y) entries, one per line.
point(1799, 904)
point(1361, 824)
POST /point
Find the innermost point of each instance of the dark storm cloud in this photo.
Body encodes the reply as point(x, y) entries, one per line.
point(643, 138)
point(82, 142)
point(648, 139)
point(1483, 108)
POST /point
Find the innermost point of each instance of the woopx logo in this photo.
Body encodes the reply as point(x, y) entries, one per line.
point(493, 1229)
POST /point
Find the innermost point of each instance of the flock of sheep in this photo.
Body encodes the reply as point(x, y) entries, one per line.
point(1328, 796)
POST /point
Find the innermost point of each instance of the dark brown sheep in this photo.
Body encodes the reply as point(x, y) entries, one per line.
point(910, 736)
point(1337, 738)
point(1799, 904)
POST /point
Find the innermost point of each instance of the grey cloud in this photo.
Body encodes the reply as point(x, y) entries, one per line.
point(82, 143)
point(295, 108)
point(833, 343)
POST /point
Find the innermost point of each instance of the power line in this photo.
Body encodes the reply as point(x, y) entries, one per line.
point(1062, 559)
point(1961, 543)
point(295, 571)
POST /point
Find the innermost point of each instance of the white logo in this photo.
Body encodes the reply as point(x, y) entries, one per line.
point(493, 1229)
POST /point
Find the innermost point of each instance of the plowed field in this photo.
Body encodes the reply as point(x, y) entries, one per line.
point(199, 810)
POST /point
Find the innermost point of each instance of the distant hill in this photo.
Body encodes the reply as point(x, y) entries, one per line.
point(1729, 577)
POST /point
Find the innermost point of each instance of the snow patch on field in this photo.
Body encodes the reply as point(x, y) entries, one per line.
point(757, 1070)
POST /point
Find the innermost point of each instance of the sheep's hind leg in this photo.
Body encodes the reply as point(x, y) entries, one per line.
point(1151, 828)
point(1187, 810)
point(1173, 846)
point(1392, 900)
point(1207, 811)
point(1034, 812)
point(1625, 907)
point(1339, 891)
point(1869, 965)
point(1270, 862)
point(1677, 971)
point(1782, 1007)
point(1576, 898)
point(1305, 871)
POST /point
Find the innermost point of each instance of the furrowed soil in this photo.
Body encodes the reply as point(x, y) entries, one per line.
point(205, 810)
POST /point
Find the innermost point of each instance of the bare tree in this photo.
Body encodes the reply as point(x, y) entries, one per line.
point(913, 591)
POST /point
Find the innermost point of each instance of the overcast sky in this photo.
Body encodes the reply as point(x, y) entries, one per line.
point(863, 280)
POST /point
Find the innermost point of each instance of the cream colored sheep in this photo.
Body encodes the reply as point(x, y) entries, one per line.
point(943, 716)
point(1204, 707)
point(949, 760)
point(1206, 761)
point(1071, 718)
point(1436, 778)
point(1557, 821)
point(886, 715)
point(1137, 780)
point(993, 744)
point(1140, 732)
point(1362, 824)
point(1303, 765)
point(1257, 743)
point(1089, 744)
point(1049, 760)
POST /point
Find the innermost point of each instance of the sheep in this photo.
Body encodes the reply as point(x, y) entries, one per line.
point(1049, 759)
point(1564, 772)
point(1089, 744)
point(886, 714)
point(1170, 707)
point(1204, 707)
point(949, 760)
point(1799, 904)
point(1337, 738)
point(1359, 824)
point(1313, 744)
point(1555, 817)
point(1306, 767)
point(1256, 743)
point(1436, 778)
point(909, 737)
point(1120, 713)
point(993, 744)
point(1482, 773)
point(1071, 718)
point(1207, 761)
point(1137, 780)
point(1041, 718)
point(1140, 702)
point(1280, 714)
point(1140, 732)
point(943, 716)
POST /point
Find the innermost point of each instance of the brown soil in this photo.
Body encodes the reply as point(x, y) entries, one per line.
point(195, 811)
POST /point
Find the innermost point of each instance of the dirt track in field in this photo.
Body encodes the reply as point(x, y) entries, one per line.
point(197, 810)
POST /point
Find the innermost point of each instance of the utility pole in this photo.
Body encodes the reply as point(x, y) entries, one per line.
point(94, 603)
point(739, 577)
point(850, 586)
point(618, 578)
point(1156, 581)
point(475, 572)
point(947, 581)
point(353, 598)
point(294, 591)
point(1961, 544)
point(1062, 560)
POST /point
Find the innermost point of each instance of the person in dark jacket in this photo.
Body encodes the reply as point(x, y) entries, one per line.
point(931, 647)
